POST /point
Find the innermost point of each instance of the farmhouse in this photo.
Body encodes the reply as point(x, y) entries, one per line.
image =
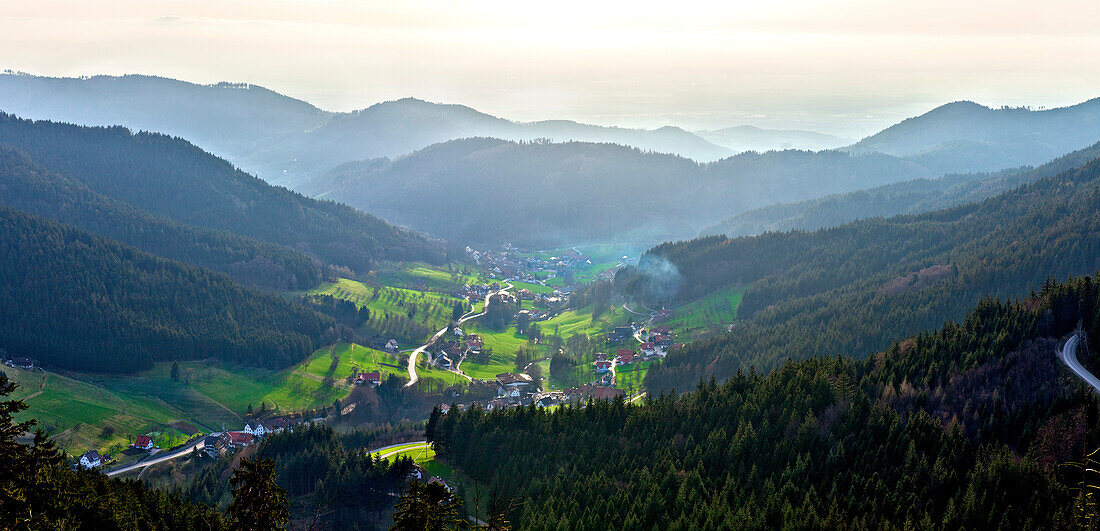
point(623, 352)
point(628, 357)
point(372, 378)
point(621, 332)
point(91, 459)
point(254, 428)
point(391, 346)
point(278, 424)
point(474, 343)
point(513, 384)
point(143, 442)
point(603, 366)
point(212, 444)
point(238, 439)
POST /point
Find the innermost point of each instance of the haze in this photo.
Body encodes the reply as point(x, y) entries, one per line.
point(846, 67)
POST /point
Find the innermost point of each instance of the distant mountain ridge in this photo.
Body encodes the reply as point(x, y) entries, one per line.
point(908, 197)
point(486, 190)
point(282, 139)
point(964, 136)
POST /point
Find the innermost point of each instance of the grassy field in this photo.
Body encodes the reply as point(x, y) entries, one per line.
point(505, 344)
point(580, 321)
point(534, 288)
point(432, 309)
point(425, 457)
point(716, 309)
point(419, 275)
point(354, 358)
point(83, 415)
point(77, 408)
point(630, 377)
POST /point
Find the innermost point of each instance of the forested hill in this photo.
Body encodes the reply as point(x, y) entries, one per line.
point(485, 190)
point(964, 136)
point(169, 177)
point(909, 197)
point(30, 188)
point(854, 288)
point(964, 428)
point(75, 300)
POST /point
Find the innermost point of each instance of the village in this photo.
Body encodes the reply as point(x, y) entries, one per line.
point(538, 287)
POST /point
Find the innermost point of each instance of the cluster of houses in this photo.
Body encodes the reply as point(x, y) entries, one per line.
point(19, 362)
point(518, 390)
point(214, 443)
point(509, 263)
point(448, 353)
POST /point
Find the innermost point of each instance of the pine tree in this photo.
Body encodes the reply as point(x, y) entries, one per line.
point(258, 502)
point(175, 371)
point(427, 507)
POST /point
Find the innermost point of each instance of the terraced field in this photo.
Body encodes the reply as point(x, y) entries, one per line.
point(432, 309)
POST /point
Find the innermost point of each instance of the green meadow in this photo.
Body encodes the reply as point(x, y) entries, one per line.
point(715, 310)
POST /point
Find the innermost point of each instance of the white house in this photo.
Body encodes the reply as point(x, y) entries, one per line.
point(91, 460)
point(256, 429)
point(143, 442)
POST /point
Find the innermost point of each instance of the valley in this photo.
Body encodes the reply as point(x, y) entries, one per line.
point(419, 310)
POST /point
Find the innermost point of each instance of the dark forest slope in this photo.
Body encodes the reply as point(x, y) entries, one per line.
point(169, 177)
point(79, 301)
point(854, 288)
point(30, 188)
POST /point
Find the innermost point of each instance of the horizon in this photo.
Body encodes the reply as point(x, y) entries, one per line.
point(845, 67)
point(853, 139)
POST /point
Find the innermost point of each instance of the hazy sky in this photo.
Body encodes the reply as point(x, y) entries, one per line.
point(843, 66)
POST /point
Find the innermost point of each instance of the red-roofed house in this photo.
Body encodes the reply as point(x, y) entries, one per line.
point(628, 357)
point(143, 442)
point(372, 378)
point(238, 439)
point(623, 351)
point(603, 366)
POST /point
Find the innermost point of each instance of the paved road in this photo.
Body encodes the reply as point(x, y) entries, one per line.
point(186, 450)
point(420, 350)
point(387, 451)
point(1069, 357)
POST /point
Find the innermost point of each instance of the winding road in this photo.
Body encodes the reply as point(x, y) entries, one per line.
point(1069, 357)
point(186, 450)
point(420, 350)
